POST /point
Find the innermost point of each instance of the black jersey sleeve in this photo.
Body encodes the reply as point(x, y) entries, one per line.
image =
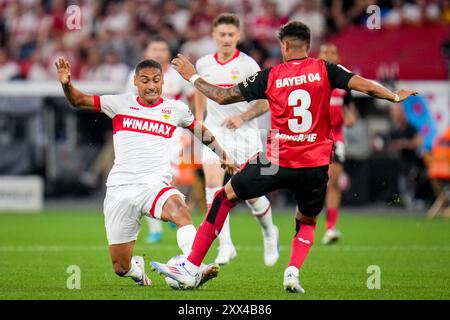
point(255, 86)
point(338, 75)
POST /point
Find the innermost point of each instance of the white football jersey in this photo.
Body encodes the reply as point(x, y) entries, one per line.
point(142, 136)
point(174, 87)
point(244, 141)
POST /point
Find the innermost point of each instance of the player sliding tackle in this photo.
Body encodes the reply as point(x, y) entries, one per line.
point(139, 182)
point(298, 91)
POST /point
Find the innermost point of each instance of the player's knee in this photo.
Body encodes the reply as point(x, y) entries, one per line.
point(120, 268)
point(258, 206)
point(309, 214)
point(180, 214)
point(333, 183)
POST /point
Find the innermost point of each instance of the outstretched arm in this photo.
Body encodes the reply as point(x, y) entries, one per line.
point(219, 94)
point(376, 90)
point(77, 98)
point(199, 105)
point(260, 107)
point(201, 132)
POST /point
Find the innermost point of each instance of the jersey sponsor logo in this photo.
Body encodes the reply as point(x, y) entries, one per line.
point(166, 113)
point(297, 80)
point(134, 108)
point(309, 137)
point(235, 75)
point(149, 126)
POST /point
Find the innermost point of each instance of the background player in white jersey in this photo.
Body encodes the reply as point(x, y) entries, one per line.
point(174, 88)
point(138, 183)
point(236, 129)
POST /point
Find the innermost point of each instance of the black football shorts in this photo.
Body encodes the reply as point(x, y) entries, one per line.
point(259, 177)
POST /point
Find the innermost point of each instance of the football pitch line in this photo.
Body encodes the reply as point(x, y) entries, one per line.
point(361, 248)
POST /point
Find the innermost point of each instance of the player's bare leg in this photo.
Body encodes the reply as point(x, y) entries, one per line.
point(189, 271)
point(333, 203)
point(125, 265)
point(301, 245)
point(176, 211)
point(214, 176)
point(262, 210)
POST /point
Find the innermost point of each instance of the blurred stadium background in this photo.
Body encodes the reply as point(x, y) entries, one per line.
point(55, 148)
point(55, 158)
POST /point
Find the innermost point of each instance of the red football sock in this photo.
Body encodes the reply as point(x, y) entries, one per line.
point(210, 227)
point(301, 244)
point(332, 216)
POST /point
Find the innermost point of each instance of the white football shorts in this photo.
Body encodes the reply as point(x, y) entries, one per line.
point(124, 205)
point(239, 144)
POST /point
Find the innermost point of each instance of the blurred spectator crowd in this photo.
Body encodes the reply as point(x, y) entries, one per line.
point(113, 33)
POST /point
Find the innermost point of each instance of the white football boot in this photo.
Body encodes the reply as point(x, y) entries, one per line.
point(331, 236)
point(226, 254)
point(141, 265)
point(178, 272)
point(291, 282)
point(208, 271)
point(271, 248)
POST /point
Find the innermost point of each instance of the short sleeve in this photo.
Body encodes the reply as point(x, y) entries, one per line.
point(186, 118)
point(108, 104)
point(255, 86)
point(199, 66)
point(253, 66)
point(338, 75)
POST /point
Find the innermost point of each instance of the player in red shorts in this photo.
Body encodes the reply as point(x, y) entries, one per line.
point(299, 145)
point(342, 113)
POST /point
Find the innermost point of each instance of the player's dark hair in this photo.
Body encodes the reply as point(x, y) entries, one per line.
point(149, 63)
point(158, 38)
point(295, 30)
point(226, 18)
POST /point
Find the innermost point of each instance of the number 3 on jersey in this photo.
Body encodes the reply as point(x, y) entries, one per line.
point(301, 101)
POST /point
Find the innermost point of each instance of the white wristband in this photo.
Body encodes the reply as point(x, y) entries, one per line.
point(396, 98)
point(194, 78)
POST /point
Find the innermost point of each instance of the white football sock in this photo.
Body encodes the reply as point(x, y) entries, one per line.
point(192, 268)
point(209, 192)
point(225, 234)
point(135, 272)
point(262, 210)
point(185, 238)
point(154, 225)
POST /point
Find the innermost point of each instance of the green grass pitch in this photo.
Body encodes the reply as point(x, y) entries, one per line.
point(413, 254)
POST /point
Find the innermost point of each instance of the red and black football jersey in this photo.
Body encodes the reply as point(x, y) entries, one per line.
point(299, 94)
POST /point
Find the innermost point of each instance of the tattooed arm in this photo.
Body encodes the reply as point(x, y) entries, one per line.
point(219, 94)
